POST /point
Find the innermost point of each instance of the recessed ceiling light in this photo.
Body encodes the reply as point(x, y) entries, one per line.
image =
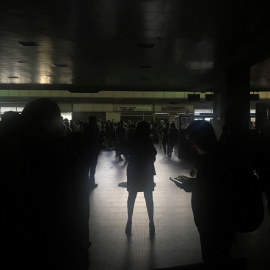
point(143, 46)
point(28, 44)
point(59, 65)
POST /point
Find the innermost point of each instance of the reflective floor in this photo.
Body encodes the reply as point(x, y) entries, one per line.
point(176, 241)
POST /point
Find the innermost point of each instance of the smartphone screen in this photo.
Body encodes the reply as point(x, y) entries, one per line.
point(176, 180)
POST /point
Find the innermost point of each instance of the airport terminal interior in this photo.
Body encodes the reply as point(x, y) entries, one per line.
point(152, 60)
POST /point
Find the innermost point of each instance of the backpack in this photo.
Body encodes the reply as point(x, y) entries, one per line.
point(248, 206)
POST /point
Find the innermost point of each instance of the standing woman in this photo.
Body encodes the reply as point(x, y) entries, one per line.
point(140, 172)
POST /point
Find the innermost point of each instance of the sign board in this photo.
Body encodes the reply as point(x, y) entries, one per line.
point(178, 109)
point(134, 108)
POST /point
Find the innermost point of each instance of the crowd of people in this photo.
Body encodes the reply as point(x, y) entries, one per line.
point(113, 134)
point(47, 169)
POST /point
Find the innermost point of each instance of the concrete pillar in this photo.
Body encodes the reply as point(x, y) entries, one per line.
point(237, 100)
point(219, 101)
point(262, 110)
point(232, 100)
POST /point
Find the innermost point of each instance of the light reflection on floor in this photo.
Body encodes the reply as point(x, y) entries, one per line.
point(176, 241)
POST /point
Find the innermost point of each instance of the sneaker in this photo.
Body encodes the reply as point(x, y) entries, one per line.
point(93, 186)
point(128, 227)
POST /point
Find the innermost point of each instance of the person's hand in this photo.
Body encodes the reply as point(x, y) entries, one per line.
point(182, 178)
point(186, 184)
point(178, 184)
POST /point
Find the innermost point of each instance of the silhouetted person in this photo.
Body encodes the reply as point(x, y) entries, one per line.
point(165, 137)
point(210, 193)
point(159, 132)
point(224, 137)
point(9, 124)
point(67, 124)
point(120, 137)
point(92, 147)
point(110, 134)
point(131, 130)
point(52, 203)
point(262, 160)
point(172, 138)
point(10, 168)
point(140, 172)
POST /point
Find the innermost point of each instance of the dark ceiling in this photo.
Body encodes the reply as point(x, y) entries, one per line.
point(156, 45)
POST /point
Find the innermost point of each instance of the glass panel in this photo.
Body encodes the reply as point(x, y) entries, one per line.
point(7, 109)
point(198, 111)
point(67, 115)
point(20, 109)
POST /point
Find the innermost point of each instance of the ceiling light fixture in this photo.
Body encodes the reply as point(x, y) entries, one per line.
point(209, 97)
point(59, 65)
point(146, 46)
point(194, 97)
point(28, 44)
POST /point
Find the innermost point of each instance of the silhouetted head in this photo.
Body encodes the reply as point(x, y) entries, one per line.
point(143, 128)
point(9, 124)
point(41, 118)
point(202, 136)
point(10, 117)
point(92, 121)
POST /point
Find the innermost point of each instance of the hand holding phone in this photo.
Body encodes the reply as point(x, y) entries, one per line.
point(176, 180)
point(182, 178)
point(179, 180)
point(182, 182)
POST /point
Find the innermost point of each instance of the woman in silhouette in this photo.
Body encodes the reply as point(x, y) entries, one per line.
point(140, 172)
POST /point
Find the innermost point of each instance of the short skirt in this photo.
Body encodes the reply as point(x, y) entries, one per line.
point(140, 184)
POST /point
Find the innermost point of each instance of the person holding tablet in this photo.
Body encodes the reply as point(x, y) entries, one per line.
point(210, 193)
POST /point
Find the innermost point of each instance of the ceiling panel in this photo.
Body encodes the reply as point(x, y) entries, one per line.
point(125, 45)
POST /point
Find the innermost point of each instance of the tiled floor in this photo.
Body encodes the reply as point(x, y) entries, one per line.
point(176, 241)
